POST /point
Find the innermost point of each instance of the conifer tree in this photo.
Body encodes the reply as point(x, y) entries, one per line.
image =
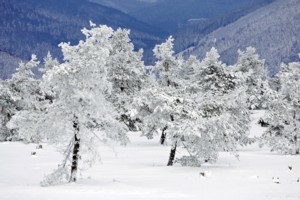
point(200, 104)
point(283, 117)
point(213, 77)
point(49, 63)
point(254, 75)
point(18, 94)
point(79, 117)
point(219, 101)
point(126, 71)
point(153, 101)
point(160, 105)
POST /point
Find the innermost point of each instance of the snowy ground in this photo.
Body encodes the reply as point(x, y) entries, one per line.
point(138, 172)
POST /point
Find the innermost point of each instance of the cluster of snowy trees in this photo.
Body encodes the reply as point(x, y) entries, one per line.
point(283, 116)
point(102, 89)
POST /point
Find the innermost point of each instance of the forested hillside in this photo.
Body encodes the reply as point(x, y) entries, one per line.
point(32, 26)
point(127, 5)
point(273, 30)
point(171, 15)
point(195, 29)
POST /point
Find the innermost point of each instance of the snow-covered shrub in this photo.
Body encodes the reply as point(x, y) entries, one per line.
point(58, 176)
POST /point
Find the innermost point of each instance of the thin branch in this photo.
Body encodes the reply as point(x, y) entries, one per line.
point(186, 148)
point(68, 152)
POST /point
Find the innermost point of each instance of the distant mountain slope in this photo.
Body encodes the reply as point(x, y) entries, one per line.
point(273, 30)
point(126, 5)
point(196, 29)
point(38, 26)
point(172, 14)
point(6, 61)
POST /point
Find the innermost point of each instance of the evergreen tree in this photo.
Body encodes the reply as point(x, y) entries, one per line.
point(22, 121)
point(126, 71)
point(283, 117)
point(223, 120)
point(23, 84)
point(18, 94)
point(199, 103)
point(153, 103)
point(254, 75)
point(167, 64)
point(213, 77)
point(7, 109)
point(48, 63)
point(79, 117)
point(160, 105)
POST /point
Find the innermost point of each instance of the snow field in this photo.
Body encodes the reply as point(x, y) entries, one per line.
point(138, 171)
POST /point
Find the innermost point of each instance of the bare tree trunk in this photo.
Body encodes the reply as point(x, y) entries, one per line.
point(75, 154)
point(172, 155)
point(163, 135)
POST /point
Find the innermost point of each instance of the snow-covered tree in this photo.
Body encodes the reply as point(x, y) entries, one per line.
point(283, 117)
point(79, 117)
point(7, 109)
point(216, 85)
point(212, 75)
point(222, 124)
point(219, 101)
point(160, 106)
point(199, 103)
point(190, 75)
point(167, 63)
point(254, 75)
point(126, 71)
point(18, 94)
point(188, 69)
point(49, 63)
point(36, 101)
point(154, 107)
point(23, 84)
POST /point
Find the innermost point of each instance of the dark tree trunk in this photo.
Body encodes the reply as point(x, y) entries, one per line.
point(75, 154)
point(163, 135)
point(172, 154)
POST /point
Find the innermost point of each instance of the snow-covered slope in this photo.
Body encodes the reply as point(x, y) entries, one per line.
point(274, 30)
point(139, 172)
